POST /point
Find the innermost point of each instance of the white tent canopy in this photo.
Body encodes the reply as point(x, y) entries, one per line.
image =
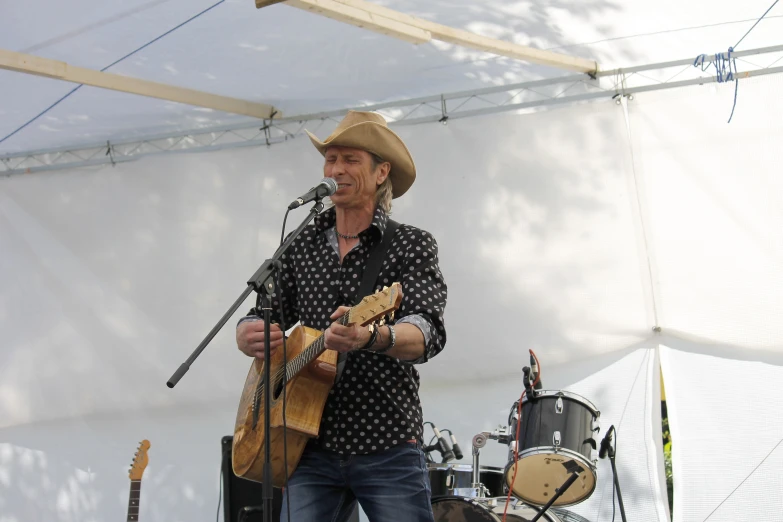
point(604, 236)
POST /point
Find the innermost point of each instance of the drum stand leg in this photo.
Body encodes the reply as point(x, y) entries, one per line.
point(616, 484)
point(562, 489)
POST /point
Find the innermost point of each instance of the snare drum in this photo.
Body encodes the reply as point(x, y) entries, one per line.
point(456, 479)
point(555, 438)
point(461, 509)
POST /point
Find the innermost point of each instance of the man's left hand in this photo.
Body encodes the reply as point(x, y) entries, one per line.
point(345, 338)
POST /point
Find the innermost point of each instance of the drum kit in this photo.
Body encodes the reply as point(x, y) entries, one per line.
point(551, 437)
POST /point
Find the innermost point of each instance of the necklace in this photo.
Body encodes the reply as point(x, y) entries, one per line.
point(344, 236)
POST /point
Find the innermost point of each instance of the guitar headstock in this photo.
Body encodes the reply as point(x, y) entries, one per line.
point(140, 461)
point(376, 306)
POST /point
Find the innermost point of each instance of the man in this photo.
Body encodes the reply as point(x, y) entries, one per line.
point(369, 443)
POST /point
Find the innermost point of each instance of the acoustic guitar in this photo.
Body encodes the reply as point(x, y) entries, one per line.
point(136, 471)
point(311, 371)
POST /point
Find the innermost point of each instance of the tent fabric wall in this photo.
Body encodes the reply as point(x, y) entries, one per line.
point(76, 469)
point(727, 435)
point(558, 231)
point(711, 193)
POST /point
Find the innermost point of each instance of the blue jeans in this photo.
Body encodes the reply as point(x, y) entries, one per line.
point(391, 486)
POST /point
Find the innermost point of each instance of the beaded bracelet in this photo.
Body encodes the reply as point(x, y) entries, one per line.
point(392, 341)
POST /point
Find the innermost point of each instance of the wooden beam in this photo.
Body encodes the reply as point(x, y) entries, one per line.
point(27, 63)
point(382, 15)
point(364, 19)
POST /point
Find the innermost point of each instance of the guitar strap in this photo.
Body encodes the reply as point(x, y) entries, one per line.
point(371, 272)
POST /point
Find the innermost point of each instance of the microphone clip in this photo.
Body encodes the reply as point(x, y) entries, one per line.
point(530, 393)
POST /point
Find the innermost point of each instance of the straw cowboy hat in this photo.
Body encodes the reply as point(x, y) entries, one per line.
point(368, 131)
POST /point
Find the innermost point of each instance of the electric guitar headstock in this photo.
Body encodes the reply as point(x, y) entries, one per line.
point(140, 461)
point(377, 306)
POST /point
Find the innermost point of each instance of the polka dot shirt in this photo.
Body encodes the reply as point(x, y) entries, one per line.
point(375, 404)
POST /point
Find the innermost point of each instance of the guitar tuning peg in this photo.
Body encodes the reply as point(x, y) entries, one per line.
point(382, 321)
point(391, 317)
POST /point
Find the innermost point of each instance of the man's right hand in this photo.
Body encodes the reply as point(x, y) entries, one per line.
point(250, 338)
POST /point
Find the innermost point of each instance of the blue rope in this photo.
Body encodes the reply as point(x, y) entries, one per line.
point(757, 22)
point(724, 63)
point(726, 69)
point(111, 65)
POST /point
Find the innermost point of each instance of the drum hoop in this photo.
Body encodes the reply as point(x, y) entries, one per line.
point(440, 466)
point(539, 450)
point(568, 395)
point(473, 501)
point(593, 470)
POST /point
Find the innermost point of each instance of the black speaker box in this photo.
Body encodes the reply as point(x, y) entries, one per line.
point(239, 493)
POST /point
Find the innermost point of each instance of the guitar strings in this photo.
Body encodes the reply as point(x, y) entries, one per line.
point(297, 363)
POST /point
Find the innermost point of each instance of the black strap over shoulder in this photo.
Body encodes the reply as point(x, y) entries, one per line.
point(371, 272)
point(373, 268)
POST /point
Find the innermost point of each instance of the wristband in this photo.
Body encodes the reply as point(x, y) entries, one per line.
point(373, 336)
point(392, 341)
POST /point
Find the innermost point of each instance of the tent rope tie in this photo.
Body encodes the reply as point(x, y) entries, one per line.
point(726, 69)
point(724, 62)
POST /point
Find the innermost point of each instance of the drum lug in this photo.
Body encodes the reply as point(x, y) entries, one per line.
point(556, 440)
point(559, 405)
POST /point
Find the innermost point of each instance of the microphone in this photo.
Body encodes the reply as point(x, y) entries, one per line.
point(528, 381)
point(606, 443)
point(326, 187)
point(443, 445)
point(534, 372)
point(455, 447)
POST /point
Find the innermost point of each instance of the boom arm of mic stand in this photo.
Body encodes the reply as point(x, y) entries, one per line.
point(260, 278)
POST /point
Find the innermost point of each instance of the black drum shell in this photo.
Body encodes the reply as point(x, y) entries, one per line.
point(540, 421)
point(462, 477)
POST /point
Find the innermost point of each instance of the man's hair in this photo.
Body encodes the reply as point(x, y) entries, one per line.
point(383, 195)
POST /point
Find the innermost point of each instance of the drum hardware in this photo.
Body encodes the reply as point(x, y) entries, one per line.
point(557, 427)
point(460, 509)
point(608, 450)
point(479, 441)
point(452, 479)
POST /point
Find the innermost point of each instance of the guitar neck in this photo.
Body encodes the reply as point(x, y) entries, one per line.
point(310, 353)
point(133, 501)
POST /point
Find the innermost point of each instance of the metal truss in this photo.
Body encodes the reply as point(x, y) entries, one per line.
point(532, 95)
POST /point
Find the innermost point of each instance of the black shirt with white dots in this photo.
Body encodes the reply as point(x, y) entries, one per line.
point(375, 404)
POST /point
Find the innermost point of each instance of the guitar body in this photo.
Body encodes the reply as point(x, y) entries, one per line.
point(306, 395)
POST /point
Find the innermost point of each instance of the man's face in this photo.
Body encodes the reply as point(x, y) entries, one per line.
point(356, 180)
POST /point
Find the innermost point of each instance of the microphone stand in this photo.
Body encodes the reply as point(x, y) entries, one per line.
point(616, 483)
point(263, 283)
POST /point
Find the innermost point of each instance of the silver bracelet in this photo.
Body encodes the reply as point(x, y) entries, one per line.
point(393, 339)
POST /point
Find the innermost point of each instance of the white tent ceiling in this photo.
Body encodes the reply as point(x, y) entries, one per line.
point(578, 230)
point(303, 63)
